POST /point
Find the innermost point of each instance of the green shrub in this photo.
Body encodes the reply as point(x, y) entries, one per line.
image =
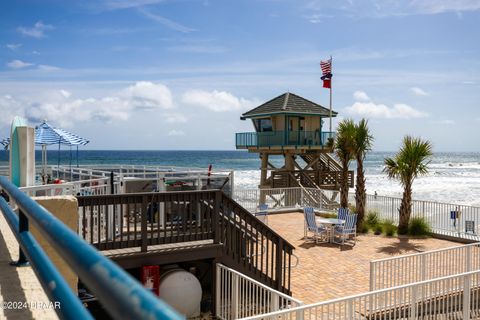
point(377, 229)
point(328, 215)
point(389, 227)
point(363, 227)
point(372, 218)
point(418, 226)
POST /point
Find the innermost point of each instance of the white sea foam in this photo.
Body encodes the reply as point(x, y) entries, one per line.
point(450, 184)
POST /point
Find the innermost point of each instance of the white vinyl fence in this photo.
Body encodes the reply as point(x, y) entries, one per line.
point(452, 297)
point(239, 296)
point(437, 214)
point(405, 269)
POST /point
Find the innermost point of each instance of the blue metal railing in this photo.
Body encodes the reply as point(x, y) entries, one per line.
point(121, 295)
point(282, 138)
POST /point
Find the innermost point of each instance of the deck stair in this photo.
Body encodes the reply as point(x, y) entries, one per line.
point(123, 221)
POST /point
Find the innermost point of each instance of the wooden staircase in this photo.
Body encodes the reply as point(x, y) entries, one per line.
point(130, 224)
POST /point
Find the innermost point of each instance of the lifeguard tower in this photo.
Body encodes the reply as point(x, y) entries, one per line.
point(292, 126)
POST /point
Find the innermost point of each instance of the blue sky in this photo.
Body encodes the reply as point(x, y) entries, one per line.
point(177, 74)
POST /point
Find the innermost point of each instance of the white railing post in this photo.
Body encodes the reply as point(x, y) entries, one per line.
point(468, 260)
point(413, 303)
point(274, 302)
point(300, 313)
point(234, 296)
point(467, 280)
point(423, 267)
point(372, 276)
point(350, 309)
point(218, 290)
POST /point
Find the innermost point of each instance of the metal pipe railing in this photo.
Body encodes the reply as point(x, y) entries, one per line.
point(404, 269)
point(240, 296)
point(451, 297)
point(120, 294)
point(69, 306)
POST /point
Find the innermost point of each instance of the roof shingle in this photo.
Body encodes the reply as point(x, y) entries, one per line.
point(289, 103)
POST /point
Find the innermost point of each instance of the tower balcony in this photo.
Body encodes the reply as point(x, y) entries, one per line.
point(283, 140)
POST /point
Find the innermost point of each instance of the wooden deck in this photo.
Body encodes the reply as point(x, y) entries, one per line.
point(165, 253)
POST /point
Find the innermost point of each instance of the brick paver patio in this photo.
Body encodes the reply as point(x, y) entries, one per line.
point(327, 271)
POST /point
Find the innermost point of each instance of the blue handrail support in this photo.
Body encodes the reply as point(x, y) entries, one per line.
point(120, 294)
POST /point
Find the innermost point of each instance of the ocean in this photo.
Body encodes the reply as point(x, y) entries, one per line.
point(452, 177)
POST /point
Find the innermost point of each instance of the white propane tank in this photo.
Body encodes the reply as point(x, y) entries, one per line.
point(181, 290)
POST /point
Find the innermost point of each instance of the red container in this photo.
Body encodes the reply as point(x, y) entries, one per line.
point(151, 278)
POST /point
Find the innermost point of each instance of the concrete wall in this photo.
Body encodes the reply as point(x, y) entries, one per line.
point(65, 208)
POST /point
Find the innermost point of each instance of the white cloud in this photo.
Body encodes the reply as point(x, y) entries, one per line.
point(18, 64)
point(125, 4)
point(218, 101)
point(446, 122)
point(149, 95)
point(373, 110)
point(440, 6)
point(418, 91)
point(9, 107)
point(176, 133)
point(199, 48)
point(37, 31)
point(47, 68)
point(63, 109)
point(361, 96)
point(382, 8)
point(13, 46)
point(65, 93)
point(166, 22)
point(175, 118)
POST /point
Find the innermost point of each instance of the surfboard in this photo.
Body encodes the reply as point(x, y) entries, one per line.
point(15, 173)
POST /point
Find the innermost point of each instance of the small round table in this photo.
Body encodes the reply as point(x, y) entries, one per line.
point(330, 224)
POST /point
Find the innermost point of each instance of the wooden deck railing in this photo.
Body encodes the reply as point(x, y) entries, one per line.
point(309, 178)
point(143, 219)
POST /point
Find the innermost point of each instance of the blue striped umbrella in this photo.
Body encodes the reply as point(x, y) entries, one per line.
point(45, 135)
point(5, 142)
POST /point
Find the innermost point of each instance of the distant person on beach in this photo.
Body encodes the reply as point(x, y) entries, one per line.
point(375, 195)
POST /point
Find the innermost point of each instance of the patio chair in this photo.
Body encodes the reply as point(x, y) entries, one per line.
point(320, 232)
point(344, 231)
point(262, 213)
point(342, 213)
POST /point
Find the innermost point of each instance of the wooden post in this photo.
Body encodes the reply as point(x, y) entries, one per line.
point(263, 177)
point(143, 222)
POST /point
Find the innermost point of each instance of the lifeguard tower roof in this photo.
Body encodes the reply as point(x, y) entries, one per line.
point(288, 103)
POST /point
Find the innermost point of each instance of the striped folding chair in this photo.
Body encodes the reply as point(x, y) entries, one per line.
point(345, 231)
point(342, 213)
point(320, 233)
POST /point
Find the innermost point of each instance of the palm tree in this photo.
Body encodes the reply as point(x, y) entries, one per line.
point(344, 148)
point(411, 161)
point(363, 144)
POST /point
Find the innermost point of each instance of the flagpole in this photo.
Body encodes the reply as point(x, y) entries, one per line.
point(331, 68)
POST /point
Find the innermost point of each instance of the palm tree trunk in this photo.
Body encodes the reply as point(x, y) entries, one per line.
point(344, 184)
point(360, 192)
point(405, 209)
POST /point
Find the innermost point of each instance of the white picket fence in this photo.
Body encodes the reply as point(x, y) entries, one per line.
point(240, 296)
point(451, 297)
point(404, 269)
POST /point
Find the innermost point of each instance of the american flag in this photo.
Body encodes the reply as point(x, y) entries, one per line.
point(326, 66)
